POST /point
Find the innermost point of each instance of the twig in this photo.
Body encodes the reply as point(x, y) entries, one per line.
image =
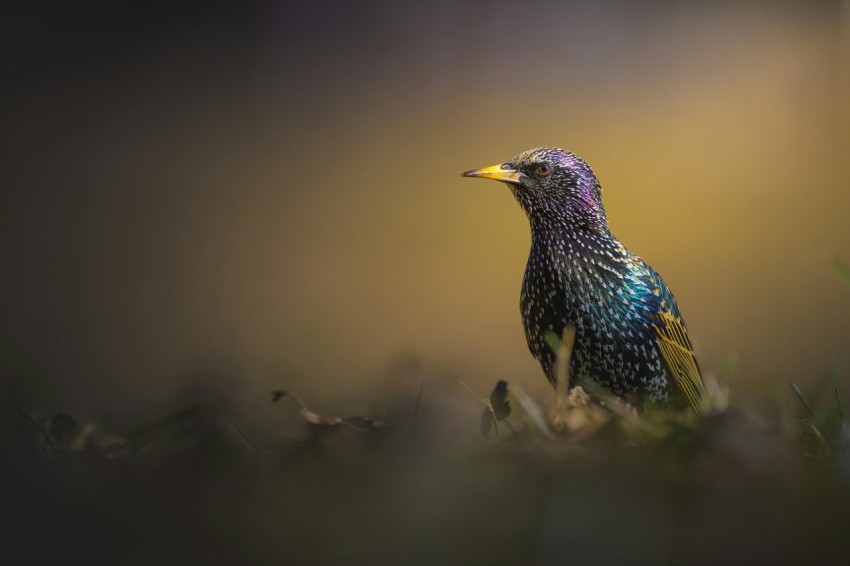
point(471, 391)
point(489, 406)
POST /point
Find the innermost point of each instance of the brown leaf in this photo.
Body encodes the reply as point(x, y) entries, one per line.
point(316, 419)
point(322, 423)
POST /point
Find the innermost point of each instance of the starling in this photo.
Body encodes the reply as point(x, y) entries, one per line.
point(630, 337)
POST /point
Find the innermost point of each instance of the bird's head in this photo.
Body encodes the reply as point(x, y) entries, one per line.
point(553, 186)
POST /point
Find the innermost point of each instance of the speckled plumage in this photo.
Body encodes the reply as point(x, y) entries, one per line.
point(630, 336)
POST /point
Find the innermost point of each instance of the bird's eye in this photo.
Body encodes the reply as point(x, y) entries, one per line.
point(543, 169)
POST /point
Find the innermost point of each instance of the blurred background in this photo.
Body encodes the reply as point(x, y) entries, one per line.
point(252, 194)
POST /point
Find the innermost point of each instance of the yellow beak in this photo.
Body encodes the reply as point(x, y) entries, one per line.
point(497, 173)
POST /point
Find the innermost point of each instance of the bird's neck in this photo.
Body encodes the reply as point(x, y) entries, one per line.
point(577, 252)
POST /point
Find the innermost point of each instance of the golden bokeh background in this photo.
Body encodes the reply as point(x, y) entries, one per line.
point(269, 194)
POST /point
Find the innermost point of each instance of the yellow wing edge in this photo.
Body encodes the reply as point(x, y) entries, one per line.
point(677, 353)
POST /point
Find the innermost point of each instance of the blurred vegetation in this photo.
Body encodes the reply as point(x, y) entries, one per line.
point(578, 476)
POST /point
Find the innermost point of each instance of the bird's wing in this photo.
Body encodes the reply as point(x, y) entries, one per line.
point(671, 337)
point(677, 352)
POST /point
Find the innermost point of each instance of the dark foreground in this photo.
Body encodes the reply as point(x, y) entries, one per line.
point(198, 489)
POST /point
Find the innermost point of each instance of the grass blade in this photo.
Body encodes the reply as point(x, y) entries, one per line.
point(730, 364)
point(802, 399)
point(841, 269)
point(564, 354)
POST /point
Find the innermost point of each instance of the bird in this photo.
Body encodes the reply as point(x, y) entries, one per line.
point(630, 337)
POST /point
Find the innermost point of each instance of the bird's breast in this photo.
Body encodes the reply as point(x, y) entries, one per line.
point(600, 297)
